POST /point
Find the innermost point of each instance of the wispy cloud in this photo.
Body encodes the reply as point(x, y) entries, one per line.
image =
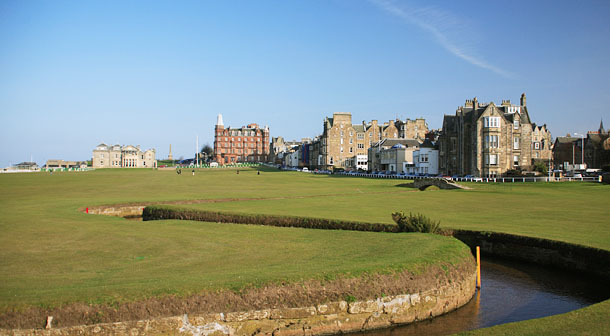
point(442, 26)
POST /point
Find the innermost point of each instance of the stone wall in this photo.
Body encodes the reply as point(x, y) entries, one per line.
point(567, 256)
point(329, 318)
point(117, 211)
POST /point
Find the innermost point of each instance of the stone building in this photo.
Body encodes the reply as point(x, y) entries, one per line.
point(237, 145)
point(280, 147)
point(487, 140)
point(567, 153)
point(542, 145)
point(346, 145)
point(597, 148)
point(117, 156)
point(412, 129)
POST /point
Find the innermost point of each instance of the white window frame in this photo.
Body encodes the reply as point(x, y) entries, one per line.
point(491, 122)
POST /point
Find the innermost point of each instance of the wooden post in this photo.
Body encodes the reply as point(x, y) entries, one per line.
point(478, 267)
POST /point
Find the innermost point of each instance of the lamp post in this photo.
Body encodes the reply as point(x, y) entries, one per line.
point(582, 149)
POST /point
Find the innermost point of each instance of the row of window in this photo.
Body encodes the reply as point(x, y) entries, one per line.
point(492, 159)
point(240, 133)
point(494, 122)
point(240, 139)
point(238, 151)
point(239, 145)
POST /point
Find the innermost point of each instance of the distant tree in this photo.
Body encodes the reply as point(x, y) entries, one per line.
point(207, 149)
point(541, 168)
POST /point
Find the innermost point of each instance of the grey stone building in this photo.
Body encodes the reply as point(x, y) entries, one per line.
point(487, 140)
point(343, 144)
point(117, 156)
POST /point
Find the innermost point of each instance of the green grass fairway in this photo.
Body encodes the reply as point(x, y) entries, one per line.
point(571, 212)
point(50, 253)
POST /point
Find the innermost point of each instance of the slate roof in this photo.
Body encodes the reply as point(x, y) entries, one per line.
point(388, 143)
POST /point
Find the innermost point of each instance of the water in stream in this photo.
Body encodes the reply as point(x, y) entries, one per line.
point(510, 292)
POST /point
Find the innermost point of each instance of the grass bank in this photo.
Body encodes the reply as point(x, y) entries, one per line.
point(52, 254)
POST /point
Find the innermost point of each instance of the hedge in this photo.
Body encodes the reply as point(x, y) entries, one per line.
point(156, 212)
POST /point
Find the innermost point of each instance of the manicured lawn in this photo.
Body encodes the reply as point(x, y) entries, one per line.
point(50, 253)
point(571, 212)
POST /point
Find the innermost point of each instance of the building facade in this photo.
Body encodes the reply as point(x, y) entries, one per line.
point(59, 164)
point(237, 145)
point(344, 145)
point(425, 160)
point(412, 129)
point(117, 156)
point(487, 140)
point(597, 148)
point(392, 155)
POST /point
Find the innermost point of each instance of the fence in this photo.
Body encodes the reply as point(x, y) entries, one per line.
point(479, 179)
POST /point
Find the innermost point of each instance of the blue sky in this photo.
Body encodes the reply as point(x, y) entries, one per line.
point(74, 74)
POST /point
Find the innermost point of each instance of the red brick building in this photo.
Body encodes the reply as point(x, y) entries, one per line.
point(246, 144)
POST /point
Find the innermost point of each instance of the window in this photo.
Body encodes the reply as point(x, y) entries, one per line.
point(102, 156)
point(360, 146)
point(536, 145)
point(342, 134)
point(341, 149)
point(331, 160)
point(491, 159)
point(515, 160)
point(491, 122)
point(351, 141)
point(423, 158)
point(491, 141)
point(516, 143)
point(453, 145)
point(350, 133)
point(516, 124)
point(370, 134)
point(342, 141)
point(351, 149)
point(360, 136)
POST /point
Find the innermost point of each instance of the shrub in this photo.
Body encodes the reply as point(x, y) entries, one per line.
point(415, 223)
point(541, 168)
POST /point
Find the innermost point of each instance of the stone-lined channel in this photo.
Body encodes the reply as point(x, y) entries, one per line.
point(511, 291)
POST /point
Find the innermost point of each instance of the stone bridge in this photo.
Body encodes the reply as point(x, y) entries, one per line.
point(442, 183)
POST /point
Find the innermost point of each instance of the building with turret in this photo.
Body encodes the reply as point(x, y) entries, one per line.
point(487, 140)
point(238, 145)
